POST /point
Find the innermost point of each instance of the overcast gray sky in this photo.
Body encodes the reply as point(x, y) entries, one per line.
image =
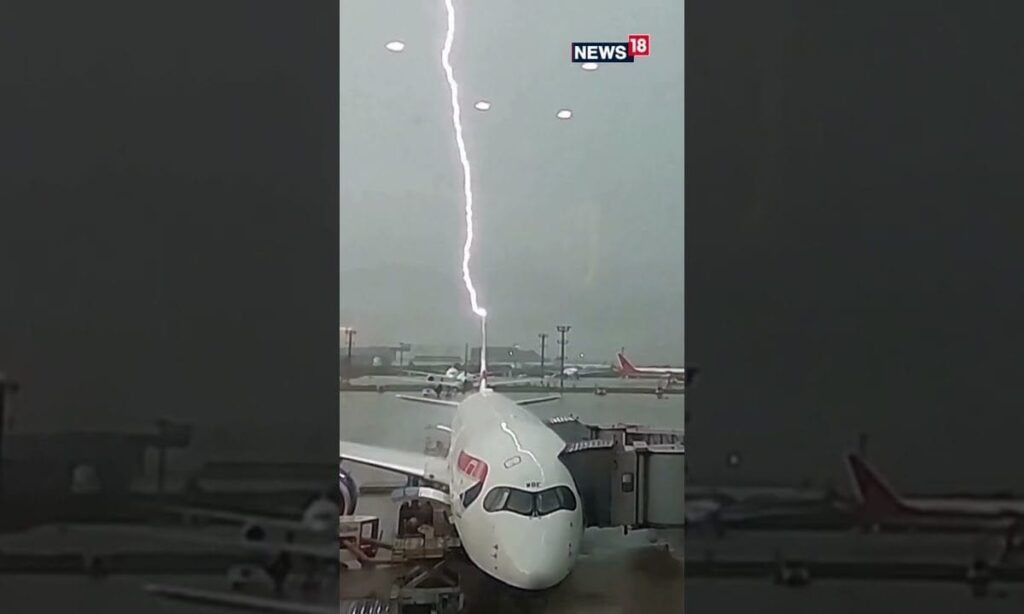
point(578, 221)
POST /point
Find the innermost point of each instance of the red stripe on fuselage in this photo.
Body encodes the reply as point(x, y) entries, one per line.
point(471, 466)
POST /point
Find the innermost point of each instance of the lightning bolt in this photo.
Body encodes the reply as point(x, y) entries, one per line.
point(467, 183)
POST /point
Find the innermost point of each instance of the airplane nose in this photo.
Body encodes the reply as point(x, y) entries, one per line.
point(540, 560)
point(538, 570)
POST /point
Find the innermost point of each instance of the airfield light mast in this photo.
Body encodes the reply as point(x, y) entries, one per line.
point(7, 386)
point(349, 332)
point(562, 329)
point(543, 343)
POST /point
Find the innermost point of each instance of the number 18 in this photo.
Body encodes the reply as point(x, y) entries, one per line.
point(639, 44)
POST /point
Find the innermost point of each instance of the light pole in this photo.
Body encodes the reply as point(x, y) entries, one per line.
point(562, 329)
point(169, 435)
point(543, 344)
point(7, 386)
point(161, 455)
point(348, 332)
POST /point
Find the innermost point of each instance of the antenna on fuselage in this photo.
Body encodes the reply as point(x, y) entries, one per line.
point(483, 353)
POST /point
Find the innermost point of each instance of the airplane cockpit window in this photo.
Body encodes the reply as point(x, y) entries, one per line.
point(524, 503)
point(567, 500)
point(495, 499)
point(548, 501)
point(470, 495)
point(520, 502)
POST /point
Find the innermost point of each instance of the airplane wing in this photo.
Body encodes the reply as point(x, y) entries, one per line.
point(428, 400)
point(438, 380)
point(235, 600)
point(423, 373)
point(329, 552)
point(241, 518)
point(585, 370)
point(400, 461)
point(536, 400)
point(515, 381)
point(702, 512)
point(595, 369)
point(446, 383)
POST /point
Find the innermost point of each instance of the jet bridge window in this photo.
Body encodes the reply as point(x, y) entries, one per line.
point(524, 503)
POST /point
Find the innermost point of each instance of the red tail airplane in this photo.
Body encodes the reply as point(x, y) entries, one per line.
point(881, 506)
point(669, 375)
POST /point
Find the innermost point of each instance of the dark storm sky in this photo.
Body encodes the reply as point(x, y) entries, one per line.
point(853, 238)
point(169, 238)
point(577, 222)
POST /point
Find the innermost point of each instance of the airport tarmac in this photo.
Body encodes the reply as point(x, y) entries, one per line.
point(49, 593)
point(851, 545)
point(763, 597)
point(144, 553)
point(361, 412)
point(842, 596)
point(614, 573)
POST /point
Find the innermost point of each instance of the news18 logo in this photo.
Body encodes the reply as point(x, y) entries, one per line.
point(636, 45)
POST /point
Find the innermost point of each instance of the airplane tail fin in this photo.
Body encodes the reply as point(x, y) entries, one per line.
point(875, 496)
point(624, 365)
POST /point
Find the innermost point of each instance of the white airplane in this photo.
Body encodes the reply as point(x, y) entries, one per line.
point(575, 371)
point(668, 375)
point(514, 503)
point(457, 380)
point(312, 538)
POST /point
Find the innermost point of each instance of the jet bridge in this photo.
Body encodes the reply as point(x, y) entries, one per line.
point(627, 475)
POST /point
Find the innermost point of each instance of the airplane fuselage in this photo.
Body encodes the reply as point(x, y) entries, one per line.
point(880, 505)
point(669, 375)
point(655, 373)
point(514, 503)
point(951, 514)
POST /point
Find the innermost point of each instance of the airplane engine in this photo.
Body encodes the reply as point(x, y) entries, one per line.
point(252, 532)
point(321, 514)
point(349, 492)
